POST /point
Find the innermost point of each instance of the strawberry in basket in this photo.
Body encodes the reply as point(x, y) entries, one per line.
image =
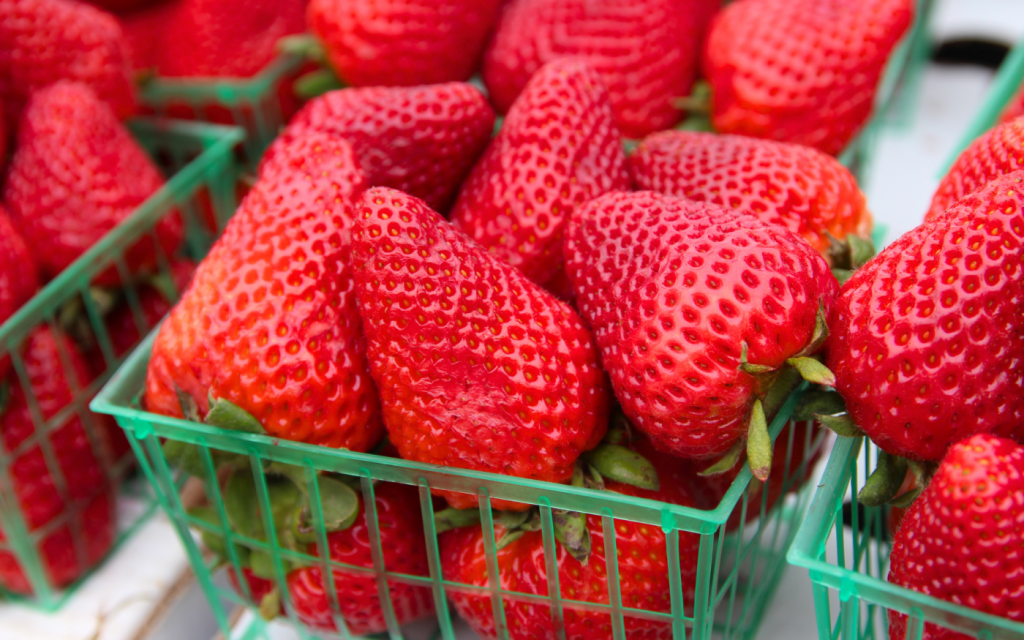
point(18, 280)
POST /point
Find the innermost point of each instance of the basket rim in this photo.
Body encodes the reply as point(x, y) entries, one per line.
point(160, 88)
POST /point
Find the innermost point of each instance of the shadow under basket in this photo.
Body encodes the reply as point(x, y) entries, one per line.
point(64, 499)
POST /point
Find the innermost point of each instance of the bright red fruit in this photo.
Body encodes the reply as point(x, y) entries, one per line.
point(478, 367)
point(927, 338)
point(43, 41)
point(961, 541)
point(420, 140)
point(18, 280)
point(673, 291)
point(153, 303)
point(121, 5)
point(995, 153)
point(270, 320)
point(403, 42)
point(803, 71)
point(75, 175)
point(404, 551)
point(645, 51)
point(69, 494)
point(802, 189)
point(642, 561)
point(557, 149)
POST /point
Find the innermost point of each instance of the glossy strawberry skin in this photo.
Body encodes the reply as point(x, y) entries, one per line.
point(404, 551)
point(76, 174)
point(797, 187)
point(18, 281)
point(73, 496)
point(270, 320)
point(642, 562)
point(927, 340)
point(961, 541)
point(766, 61)
point(478, 367)
point(672, 290)
point(995, 153)
point(43, 41)
point(402, 43)
point(645, 51)
point(557, 149)
point(420, 140)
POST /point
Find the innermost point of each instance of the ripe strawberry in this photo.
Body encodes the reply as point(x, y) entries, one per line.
point(797, 187)
point(993, 154)
point(420, 140)
point(153, 303)
point(675, 291)
point(43, 41)
point(404, 551)
point(642, 559)
point(961, 541)
point(803, 71)
point(557, 149)
point(645, 51)
point(404, 43)
point(144, 32)
point(76, 174)
point(926, 338)
point(269, 322)
point(478, 367)
point(18, 280)
point(69, 494)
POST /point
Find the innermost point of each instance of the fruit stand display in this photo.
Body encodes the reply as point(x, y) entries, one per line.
point(60, 479)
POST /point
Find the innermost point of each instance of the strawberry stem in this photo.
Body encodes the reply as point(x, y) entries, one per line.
point(885, 481)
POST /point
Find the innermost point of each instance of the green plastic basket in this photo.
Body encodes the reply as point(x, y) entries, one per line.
point(251, 103)
point(200, 161)
point(848, 562)
point(737, 572)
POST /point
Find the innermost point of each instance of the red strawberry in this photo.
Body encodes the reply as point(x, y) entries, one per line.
point(404, 551)
point(76, 174)
point(478, 367)
point(961, 541)
point(68, 494)
point(269, 322)
point(421, 140)
point(143, 33)
point(121, 5)
point(642, 561)
point(403, 43)
point(43, 41)
point(226, 38)
point(927, 337)
point(675, 291)
point(803, 71)
point(557, 149)
point(802, 189)
point(18, 280)
point(646, 52)
point(993, 154)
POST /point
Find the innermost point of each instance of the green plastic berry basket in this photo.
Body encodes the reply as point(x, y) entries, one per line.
point(202, 170)
point(251, 103)
point(847, 558)
point(737, 572)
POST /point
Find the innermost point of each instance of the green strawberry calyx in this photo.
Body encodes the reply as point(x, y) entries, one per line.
point(848, 255)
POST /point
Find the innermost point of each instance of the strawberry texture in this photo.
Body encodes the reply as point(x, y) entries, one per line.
point(18, 281)
point(478, 368)
point(557, 149)
point(927, 337)
point(673, 290)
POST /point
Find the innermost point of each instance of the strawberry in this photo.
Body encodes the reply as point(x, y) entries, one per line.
point(43, 41)
point(64, 490)
point(403, 43)
point(18, 280)
point(269, 322)
point(478, 367)
point(797, 187)
point(993, 154)
point(421, 140)
point(557, 149)
point(927, 336)
point(75, 175)
point(680, 295)
point(119, 6)
point(645, 51)
point(404, 551)
point(642, 561)
point(961, 541)
point(143, 33)
point(803, 71)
